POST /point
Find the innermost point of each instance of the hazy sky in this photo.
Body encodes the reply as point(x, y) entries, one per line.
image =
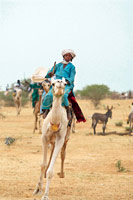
point(34, 32)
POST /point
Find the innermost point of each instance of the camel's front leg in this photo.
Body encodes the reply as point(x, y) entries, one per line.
point(35, 122)
point(43, 165)
point(58, 145)
point(19, 107)
point(51, 154)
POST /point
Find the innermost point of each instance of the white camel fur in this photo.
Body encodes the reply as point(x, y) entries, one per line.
point(54, 126)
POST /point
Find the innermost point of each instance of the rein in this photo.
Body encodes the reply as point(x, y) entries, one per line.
point(56, 95)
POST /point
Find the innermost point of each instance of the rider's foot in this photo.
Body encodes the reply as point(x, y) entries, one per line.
point(45, 112)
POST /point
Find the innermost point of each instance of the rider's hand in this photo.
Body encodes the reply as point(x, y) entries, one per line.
point(51, 74)
point(68, 83)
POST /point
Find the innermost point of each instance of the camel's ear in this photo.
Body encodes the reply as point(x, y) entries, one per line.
point(111, 108)
point(52, 81)
point(64, 80)
point(107, 107)
point(46, 79)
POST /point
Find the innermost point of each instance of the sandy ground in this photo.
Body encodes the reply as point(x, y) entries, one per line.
point(90, 171)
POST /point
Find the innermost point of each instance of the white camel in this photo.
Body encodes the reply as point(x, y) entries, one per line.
point(54, 129)
point(17, 99)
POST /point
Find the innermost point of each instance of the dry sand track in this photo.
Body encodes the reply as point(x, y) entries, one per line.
point(90, 171)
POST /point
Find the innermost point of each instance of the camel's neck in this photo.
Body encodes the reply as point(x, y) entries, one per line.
point(56, 110)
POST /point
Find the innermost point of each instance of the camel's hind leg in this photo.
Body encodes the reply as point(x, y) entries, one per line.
point(63, 152)
point(63, 155)
point(39, 120)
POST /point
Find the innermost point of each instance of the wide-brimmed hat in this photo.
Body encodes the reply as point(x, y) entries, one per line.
point(68, 51)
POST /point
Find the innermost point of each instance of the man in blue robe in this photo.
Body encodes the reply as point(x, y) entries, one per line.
point(63, 69)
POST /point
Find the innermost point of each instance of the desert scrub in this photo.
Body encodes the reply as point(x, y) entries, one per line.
point(8, 100)
point(128, 128)
point(119, 123)
point(119, 166)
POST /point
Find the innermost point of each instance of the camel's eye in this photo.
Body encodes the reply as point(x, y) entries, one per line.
point(53, 84)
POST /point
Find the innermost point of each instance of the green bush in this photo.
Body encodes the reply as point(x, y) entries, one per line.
point(119, 123)
point(7, 100)
point(119, 166)
point(128, 128)
point(94, 92)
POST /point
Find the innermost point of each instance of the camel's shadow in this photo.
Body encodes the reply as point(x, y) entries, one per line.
point(115, 133)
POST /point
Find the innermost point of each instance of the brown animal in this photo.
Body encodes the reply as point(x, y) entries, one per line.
point(130, 121)
point(46, 85)
point(101, 118)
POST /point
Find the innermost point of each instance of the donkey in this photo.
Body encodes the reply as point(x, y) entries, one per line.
point(130, 121)
point(101, 118)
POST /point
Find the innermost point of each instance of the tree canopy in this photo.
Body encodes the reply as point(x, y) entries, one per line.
point(94, 92)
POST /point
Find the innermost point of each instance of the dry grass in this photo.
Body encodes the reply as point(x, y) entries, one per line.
point(90, 165)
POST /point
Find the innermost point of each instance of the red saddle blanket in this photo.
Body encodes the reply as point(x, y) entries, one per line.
point(77, 110)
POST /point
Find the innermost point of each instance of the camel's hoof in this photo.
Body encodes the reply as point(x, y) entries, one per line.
point(61, 175)
point(73, 131)
point(38, 190)
point(45, 198)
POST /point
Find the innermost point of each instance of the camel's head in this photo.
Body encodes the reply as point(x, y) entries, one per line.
point(46, 85)
point(40, 91)
point(58, 87)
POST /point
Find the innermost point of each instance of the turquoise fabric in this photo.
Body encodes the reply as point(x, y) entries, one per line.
point(69, 74)
point(35, 95)
point(43, 96)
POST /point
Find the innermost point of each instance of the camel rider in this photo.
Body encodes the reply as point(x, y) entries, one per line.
point(35, 95)
point(17, 86)
point(63, 69)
